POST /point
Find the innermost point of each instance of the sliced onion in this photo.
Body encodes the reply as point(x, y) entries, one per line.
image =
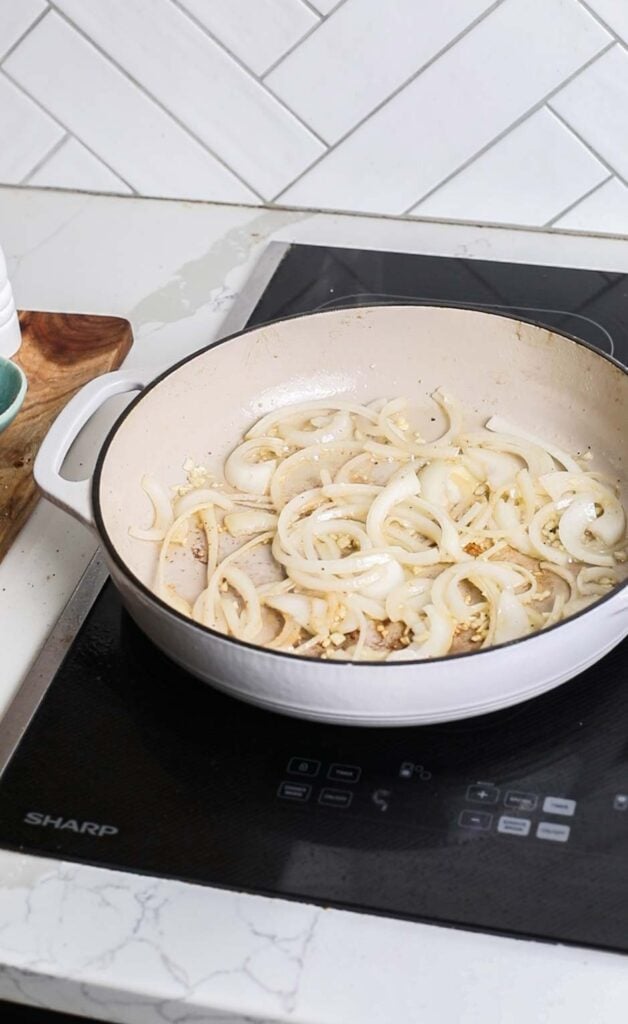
point(610, 527)
point(542, 549)
point(498, 468)
point(404, 603)
point(244, 472)
point(163, 515)
point(389, 547)
point(438, 642)
point(242, 524)
point(595, 581)
point(391, 575)
point(452, 409)
point(503, 426)
point(309, 612)
point(561, 482)
point(338, 428)
point(445, 483)
point(318, 454)
point(536, 458)
point(250, 622)
point(169, 594)
point(449, 540)
point(272, 419)
point(196, 500)
point(445, 592)
point(506, 517)
point(512, 619)
point(575, 520)
point(403, 484)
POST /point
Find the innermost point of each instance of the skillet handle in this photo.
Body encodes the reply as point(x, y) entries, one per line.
point(70, 495)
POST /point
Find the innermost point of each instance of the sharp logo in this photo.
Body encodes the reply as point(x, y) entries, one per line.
point(90, 828)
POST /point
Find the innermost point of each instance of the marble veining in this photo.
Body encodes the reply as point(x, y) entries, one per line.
point(253, 951)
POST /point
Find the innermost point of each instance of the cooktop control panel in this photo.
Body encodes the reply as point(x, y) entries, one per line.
point(412, 794)
point(472, 810)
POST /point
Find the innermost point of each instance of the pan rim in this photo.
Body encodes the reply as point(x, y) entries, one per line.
point(300, 658)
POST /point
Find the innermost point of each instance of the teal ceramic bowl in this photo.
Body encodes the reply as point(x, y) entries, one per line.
point(12, 391)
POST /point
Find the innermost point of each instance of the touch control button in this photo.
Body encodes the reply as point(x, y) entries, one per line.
point(559, 805)
point(518, 801)
point(294, 791)
point(550, 830)
point(344, 773)
point(481, 821)
point(304, 766)
point(335, 797)
point(483, 794)
point(514, 826)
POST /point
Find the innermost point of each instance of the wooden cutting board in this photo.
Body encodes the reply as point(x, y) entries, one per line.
point(60, 352)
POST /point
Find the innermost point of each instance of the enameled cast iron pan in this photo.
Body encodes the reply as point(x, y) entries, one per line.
point(552, 385)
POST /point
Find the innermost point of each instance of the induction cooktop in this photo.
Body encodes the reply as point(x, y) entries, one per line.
point(515, 822)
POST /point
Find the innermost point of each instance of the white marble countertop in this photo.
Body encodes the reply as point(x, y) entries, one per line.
point(128, 948)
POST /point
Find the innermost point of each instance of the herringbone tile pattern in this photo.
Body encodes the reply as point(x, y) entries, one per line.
point(498, 111)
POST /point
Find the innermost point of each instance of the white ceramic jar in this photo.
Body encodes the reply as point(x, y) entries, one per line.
point(10, 336)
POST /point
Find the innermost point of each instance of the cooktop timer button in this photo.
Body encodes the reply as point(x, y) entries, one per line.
point(559, 805)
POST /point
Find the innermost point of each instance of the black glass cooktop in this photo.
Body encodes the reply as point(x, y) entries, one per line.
point(515, 822)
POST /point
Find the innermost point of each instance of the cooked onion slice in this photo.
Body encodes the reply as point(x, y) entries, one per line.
point(511, 618)
point(385, 546)
point(503, 426)
point(243, 523)
point(577, 520)
point(437, 643)
point(249, 469)
point(163, 514)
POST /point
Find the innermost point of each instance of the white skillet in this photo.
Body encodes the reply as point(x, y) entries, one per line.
point(548, 383)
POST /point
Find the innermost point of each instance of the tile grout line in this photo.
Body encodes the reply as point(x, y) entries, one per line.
point(415, 74)
point(271, 67)
point(247, 71)
point(145, 92)
point(64, 128)
point(22, 37)
point(44, 159)
point(612, 170)
point(310, 7)
point(580, 199)
point(292, 48)
point(600, 20)
point(515, 124)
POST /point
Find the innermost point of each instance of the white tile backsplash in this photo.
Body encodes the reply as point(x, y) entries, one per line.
point(614, 13)
point(329, 82)
point(409, 146)
point(73, 166)
point(606, 209)
point(27, 133)
point(16, 16)
point(200, 83)
point(595, 105)
point(120, 124)
point(535, 170)
point(500, 111)
point(258, 33)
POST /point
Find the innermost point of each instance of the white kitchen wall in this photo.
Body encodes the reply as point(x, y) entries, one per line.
point(498, 111)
